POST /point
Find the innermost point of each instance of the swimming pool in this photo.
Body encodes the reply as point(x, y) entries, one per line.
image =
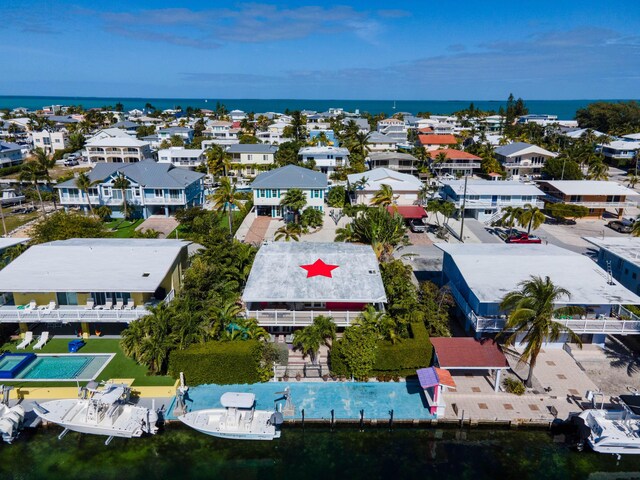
point(12, 363)
point(317, 399)
point(63, 367)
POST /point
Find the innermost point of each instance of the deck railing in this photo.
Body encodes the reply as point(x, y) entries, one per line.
point(300, 318)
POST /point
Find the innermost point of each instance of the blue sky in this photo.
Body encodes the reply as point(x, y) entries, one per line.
point(309, 49)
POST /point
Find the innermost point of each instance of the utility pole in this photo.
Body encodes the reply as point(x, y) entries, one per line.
point(563, 164)
point(464, 201)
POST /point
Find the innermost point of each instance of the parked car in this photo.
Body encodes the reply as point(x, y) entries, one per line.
point(559, 221)
point(623, 226)
point(71, 162)
point(416, 225)
point(523, 238)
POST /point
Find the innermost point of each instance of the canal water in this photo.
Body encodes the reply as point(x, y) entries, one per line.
point(313, 453)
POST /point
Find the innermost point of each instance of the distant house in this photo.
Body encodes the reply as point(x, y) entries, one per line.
point(183, 132)
point(250, 159)
point(237, 115)
point(484, 200)
point(379, 142)
point(394, 128)
point(331, 137)
point(522, 158)
point(182, 157)
point(405, 187)
point(89, 280)
point(270, 187)
point(326, 159)
point(400, 162)
point(221, 133)
point(155, 188)
point(597, 196)
point(620, 150)
point(50, 141)
point(456, 163)
point(127, 126)
point(621, 256)
point(362, 123)
point(434, 142)
point(479, 275)
point(113, 145)
point(10, 154)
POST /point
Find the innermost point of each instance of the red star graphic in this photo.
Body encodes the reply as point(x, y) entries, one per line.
point(319, 268)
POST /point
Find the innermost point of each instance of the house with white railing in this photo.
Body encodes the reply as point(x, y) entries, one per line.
point(113, 145)
point(182, 157)
point(454, 162)
point(480, 275)
point(154, 188)
point(523, 159)
point(484, 200)
point(291, 283)
point(91, 281)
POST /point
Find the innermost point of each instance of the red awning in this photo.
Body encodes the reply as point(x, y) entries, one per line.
point(467, 352)
point(408, 212)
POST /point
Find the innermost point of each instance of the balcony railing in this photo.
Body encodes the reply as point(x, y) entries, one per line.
point(618, 204)
point(438, 166)
point(76, 313)
point(499, 203)
point(300, 318)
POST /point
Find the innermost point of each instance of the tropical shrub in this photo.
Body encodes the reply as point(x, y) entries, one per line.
point(336, 197)
point(103, 212)
point(311, 218)
point(405, 357)
point(62, 226)
point(218, 362)
point(10, 170)
point(511, 385)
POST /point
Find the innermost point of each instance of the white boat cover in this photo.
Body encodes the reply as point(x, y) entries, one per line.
point(237, 400)
point(111, 395)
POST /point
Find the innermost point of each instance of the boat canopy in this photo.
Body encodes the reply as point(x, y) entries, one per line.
point(237, 400)
point(111, 394)
point(633, 402)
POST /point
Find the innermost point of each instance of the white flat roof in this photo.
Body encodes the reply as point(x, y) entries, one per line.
point(590, 187)
point(92, 265)
point(11, 242)
point(489, 187)
point(277, 274)
point(627, 248)
point(493, 270)
point(384, 176)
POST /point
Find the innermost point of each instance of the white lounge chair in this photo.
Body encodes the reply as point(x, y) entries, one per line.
point(130, 304)
point(119, 304)
point(49, 308)
point(42, 341)
point(90, 304)
point(32, 305)
point(28, 338)
point(108, 305)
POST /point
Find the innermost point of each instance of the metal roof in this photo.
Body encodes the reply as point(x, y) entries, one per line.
point(627, 248)
point(384, 176)
point(252, 148)
point(521, 148)
point(92, 265)
point(493, 187)
point(290, 176)
point(590, 187)
point(493, 270)
point(277, 274)
point(147, 173)
point(467, 352)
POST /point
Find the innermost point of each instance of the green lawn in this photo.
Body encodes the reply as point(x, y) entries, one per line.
point(15, 221)
point(123, 228)
point(119, 367)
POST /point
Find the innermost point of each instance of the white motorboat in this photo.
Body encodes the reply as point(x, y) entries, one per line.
point(615, 431)
point(11, 419)
point(238, 420)
point(101, 411)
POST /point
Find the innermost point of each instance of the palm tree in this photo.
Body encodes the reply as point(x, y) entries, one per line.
point(359, 144)
point(383, 197)
point(598, 171)
point(309, 339)
point(289, 231)
point(531, 216)
point(45, 162)
point(530, 320)
point(218, 161)
point(295, 200)
point(224, 198)
point(510, 215)
point(636, 227)
point(632, 180)
point(376, 227)
point(32, 172)
point(84, 183)
point(122, 183)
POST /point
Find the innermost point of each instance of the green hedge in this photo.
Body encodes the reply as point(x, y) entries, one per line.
point(218, 362)
point(405, 357)
point(10, 170)
point(401, 359)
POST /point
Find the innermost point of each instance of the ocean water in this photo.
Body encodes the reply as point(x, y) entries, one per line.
point(564, 109)
point(312, 453)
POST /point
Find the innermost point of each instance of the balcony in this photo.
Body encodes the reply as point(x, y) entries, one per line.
point(473, 204)
point(461, 165)
point(300, 318)
point(605, 204)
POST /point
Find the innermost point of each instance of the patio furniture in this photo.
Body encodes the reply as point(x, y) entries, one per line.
point(90, 304)
point(119, 305)
point(42, 341)
point(131, 304)
point(32, 305)
point(288, 338)
point(75, 345)
point(108, 305)
point(49, 308)
point(28, 338)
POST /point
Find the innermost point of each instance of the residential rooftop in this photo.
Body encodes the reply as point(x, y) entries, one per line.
point(384, 176)
point(626, 248)
point(290, 176)
point(252, 148)
point(522, 148)
point(493, 270)
point(92, 265)
point(590, 187)
point(277, 274)
point(493, 187)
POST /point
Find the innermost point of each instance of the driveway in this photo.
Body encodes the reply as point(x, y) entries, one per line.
point(159, 223)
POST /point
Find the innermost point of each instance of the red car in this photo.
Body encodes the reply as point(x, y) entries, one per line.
point(523, 238)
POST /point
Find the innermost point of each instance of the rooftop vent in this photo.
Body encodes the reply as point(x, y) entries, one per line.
point(145, 274)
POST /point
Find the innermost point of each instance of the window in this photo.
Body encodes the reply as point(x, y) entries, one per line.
point(107, 191)
point(634, 275)
point(93, 192)
point(265, 157)
point(67, 298)
point(174, 194)
point(275, 193)
point(249, 157)
point(316, 193)
point(158, 192)
point(117, 194)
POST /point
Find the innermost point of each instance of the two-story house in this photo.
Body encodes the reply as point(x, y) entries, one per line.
point(248, 159)
point(182, 157)
point(400, 162)
point(620, 152)
point(270, 187)
point(327, 159)
point(50, 141)
point(185, 133)
point(220, 132)
point(154, 188)
point(113, 145)
point(484, 200)
point(379, 142)
point(597, 196)
point(454, 162)
point(521, 158)
point(10, 154)
point(434, 142)
point(621, 257)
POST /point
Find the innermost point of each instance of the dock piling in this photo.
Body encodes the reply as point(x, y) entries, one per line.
point(390, 419)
